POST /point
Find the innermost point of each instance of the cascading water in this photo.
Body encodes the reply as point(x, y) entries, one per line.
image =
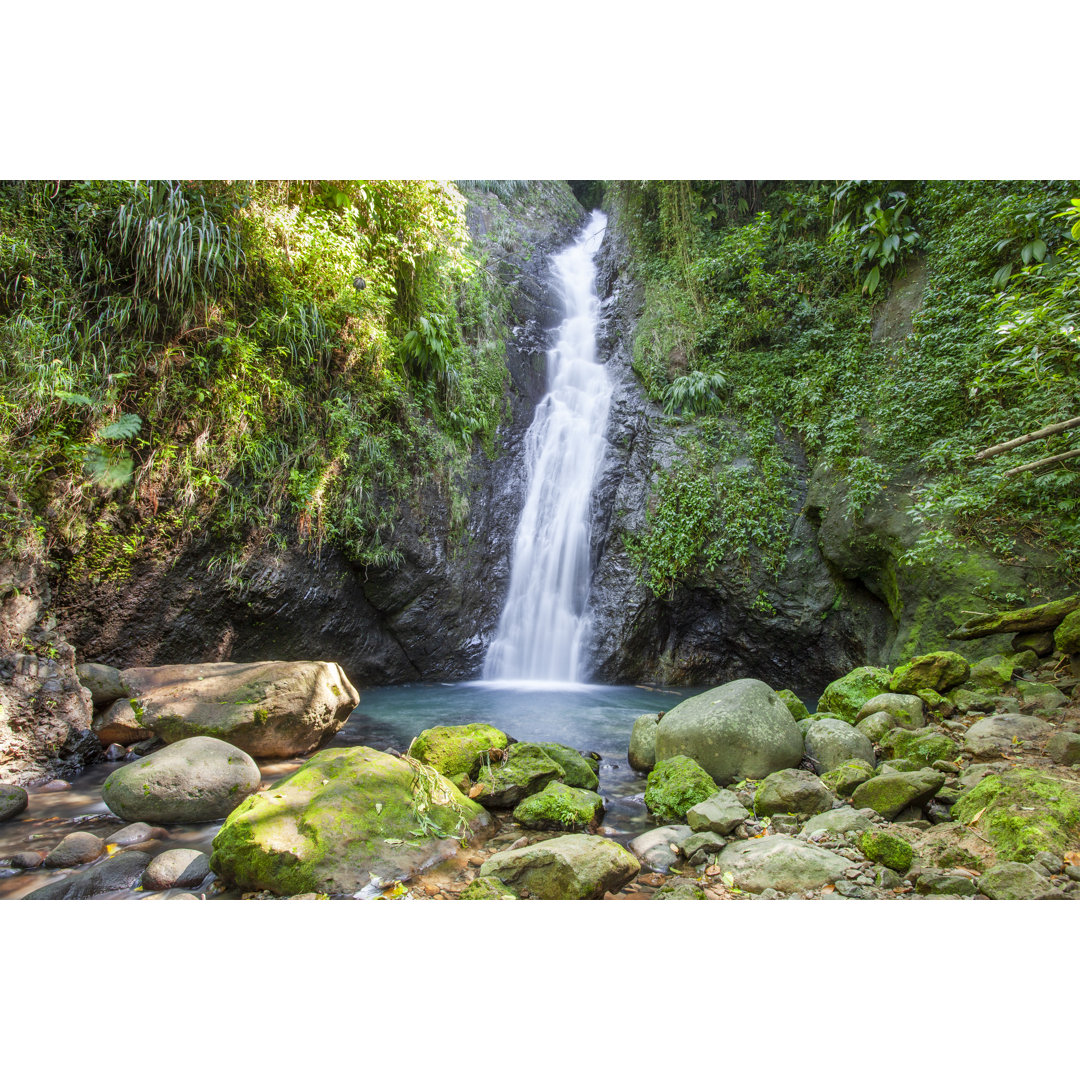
point(544, 622)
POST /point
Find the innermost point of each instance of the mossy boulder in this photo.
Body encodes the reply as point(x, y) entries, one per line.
point(459, 748)
point(1023, 812)
point(847, 695)
point(580, 770)
point(1067, 635)
point(1024, 660)
point(905, 709)
point(794, 703)
point(675, 785)
point(1040, 642)
point(199, 779)
point(829, 743)
point(1041, 696)
point(486, 888)
point(524, 771)
point(738, 730)
point(921, 747)
point(720, 813)
point(891, 793)
point(571, 867)
point(347, 820)
point(934, 701)
point(991, 673)
point(945, 883)
point(558, 806)
point(973, 700)
point(938, 671)
point(642, 752)
point(885, 848)
point(847, 776)
point(791, 791)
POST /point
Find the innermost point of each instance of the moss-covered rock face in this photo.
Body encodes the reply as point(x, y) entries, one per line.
point(905, 709)
point(565, 868)
point(924, 747)
point(991, 673)
point(847, 695)
point(845, 778)
point(457, 749)
point(642, 752)
point(891, 851)
point(560, 807)
point(675, 785)
point(345, 820)
point(794, 703)
point(1067, 635)
point(1023, 812)
point(581, 770)
point(486, 888)
point(890, 793)
point(938, 671)
point(524, 771)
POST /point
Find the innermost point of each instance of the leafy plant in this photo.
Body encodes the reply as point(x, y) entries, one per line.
point(887, 234)
point(695, 392)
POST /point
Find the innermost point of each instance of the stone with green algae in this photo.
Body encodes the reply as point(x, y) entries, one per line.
point(1013, 881)
point(846, 696)
point(921, 747)
point(905, 709)
point(558, 806)
point(642, 752)
point(991, 673)
point(891, 793)
point(846, 777)
point(581, 770)
point(486, 888)
point(572, 867)
point(938, 671)
point(457, 748)
point(794, 703)
point(524, 771)
point(885, 848)
point(675, 785)
point(1023, 812)
point(1067, 635)
point(348, 818)
point(876, 725)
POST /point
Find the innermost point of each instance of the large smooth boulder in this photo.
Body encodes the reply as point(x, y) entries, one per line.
point(270, 709)
point(938, 671)
point(905, 709)
point(921, 747)
point(1013, 881)
point(347, 819)
point(455, 749)
point(200, 779)
point(987, 738)
point(791, 791)
point(119, 872)
point(829, 743)
point(642, 752)
point(737, 731)
point(782, 863)
point(847, 695)
point(13, 801)
point(565, 868)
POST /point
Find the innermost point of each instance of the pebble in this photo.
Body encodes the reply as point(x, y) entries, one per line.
point(137, 833)
point(54, 785)
point(115, 752)
point(27, 860)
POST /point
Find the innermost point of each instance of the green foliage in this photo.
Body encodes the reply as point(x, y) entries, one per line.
point(696, 392)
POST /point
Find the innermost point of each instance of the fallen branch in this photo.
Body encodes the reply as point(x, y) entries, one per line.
point(1043, 617)
point(1042, 433)
point(1043, 461)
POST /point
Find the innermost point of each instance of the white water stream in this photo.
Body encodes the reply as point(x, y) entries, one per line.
point(544, 622)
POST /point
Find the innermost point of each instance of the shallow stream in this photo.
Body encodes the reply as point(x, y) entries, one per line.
point(589, 718)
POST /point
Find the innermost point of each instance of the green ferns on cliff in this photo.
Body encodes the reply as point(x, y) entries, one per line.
point(775, 290)
point(247, 360)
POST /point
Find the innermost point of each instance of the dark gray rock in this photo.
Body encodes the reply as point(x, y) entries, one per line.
point(121, 871)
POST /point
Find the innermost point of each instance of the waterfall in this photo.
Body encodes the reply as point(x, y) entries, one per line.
point(544, 622)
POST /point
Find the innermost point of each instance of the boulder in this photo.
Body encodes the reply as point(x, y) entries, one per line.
point(1064, 748)
point(921, 747)
point(1067, 635)
point(876, 725)
point(938, 671)
point(1040, 696)
point(524, 771)
point(791, 791)
point(347, 819)
point(566, 868)
point(794, 703)
point(118, 872)
point(199, 779)
point(838, 822)
point(890, 794)
point(75, 849)
point(720, 813)
point(642, 752)
point(887, 849)
point(105, 683)
point(905, 709)
point(657, 848)
point(829, 743)
point(178, 868)
point(1022, 812)
point(847, 776)
point(848, 694)
point(121, 724)
point(945, 883)
point(987, 738)
point(674, 786)
point(558, 806)
point(270, 709)
point(698, 845)
point(991, 673)
point(460, 748)
point(1040, 642)
point(580, 770)
point(780, 862)
point(13, 801)
point(736, 731)
point(1012, 881)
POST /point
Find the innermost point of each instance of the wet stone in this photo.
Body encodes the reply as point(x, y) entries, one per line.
point(27, 860)
point(75, 849)
point(137, 833)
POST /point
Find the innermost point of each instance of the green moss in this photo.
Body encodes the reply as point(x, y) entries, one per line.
point(891, 851)
point(938, 671)
point(559, 807)
point(845, 778)
point(486, 888)
point(675, 785)
point(581, 770)
point(921, 747)
point(844, 697)
point(457, 749)
point(1023, 812)
point(794, 703)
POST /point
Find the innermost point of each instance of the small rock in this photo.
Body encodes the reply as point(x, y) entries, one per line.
point(719, 814)
point(75, 849)
point(941, 883)
point(655, 849)
point(178, 868)
point(137, 833)
point(54, 785)
point(1064, 748)
point(887, 879)
point(27, 860)
point(1054, 863)
point(13, 801)
point(115, 752)
point(1012, 881)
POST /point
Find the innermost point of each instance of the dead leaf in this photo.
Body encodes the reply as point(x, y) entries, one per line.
point(712, 871)
point(1072, 858)
point(977, 816)
point(476, 789)
point(829, 889)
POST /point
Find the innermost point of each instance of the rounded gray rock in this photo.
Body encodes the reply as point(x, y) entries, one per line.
point(75, 849)
point(13, 801)
point(792, 791)
point(829, 743)
point(198, 779)
point(988, 737)
point(736, 731)
point(178, 868)
point(782, 863)
point(642, 752)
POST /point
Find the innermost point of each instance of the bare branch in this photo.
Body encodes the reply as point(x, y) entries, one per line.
point(1043, 461)
point(1042, 433)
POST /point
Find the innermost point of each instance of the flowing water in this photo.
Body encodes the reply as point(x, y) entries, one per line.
point(544, 622)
